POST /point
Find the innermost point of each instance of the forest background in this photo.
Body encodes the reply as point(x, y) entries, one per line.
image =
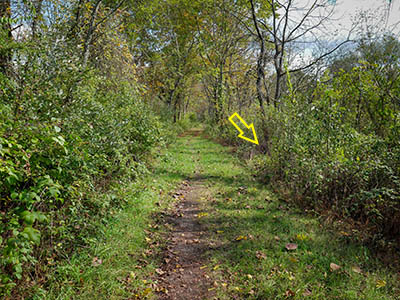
point(91, 89)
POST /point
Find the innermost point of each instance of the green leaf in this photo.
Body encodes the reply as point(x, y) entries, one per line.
point(28, 217)
point(59, 139)
point(33, 234)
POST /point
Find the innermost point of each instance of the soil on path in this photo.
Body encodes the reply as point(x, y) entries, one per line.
point(183, 275)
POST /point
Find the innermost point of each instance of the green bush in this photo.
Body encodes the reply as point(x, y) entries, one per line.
point(320, 155)
point(56, 159)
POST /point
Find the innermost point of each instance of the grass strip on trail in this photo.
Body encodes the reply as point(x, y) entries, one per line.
point(253, 234)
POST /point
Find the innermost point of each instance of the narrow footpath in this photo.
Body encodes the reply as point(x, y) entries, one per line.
point(230, 237)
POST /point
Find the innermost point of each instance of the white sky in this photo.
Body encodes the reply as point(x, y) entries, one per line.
point(346, 14)
point(348, 9)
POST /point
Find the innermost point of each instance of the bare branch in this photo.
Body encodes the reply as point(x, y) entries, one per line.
point(310, 10)
point(320, 57)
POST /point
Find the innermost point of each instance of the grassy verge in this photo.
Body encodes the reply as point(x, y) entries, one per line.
point(120, 262)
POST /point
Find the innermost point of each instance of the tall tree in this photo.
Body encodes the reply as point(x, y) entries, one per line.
point(290, 23)
point(5, 35)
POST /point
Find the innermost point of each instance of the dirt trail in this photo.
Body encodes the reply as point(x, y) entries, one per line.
point(182, 275)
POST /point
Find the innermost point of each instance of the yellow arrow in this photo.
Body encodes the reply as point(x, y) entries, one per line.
point(251, 126)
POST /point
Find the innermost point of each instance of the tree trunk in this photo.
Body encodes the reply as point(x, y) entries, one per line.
point(5, 35)
point(36, 16)
point(90, 32)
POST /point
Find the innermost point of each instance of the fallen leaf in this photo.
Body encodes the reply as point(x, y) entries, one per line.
point(380, 283)
point(356, 269)
point(289, 293)
point(291, 246)
point(307, 292)
point(334, 267)
point(146, 292)
point(277, 238)
point(293, 260)
point(202, 214)
point(260, 255)
point(162, 290)
point(160, 272)
point(301, 237)
point(96, 262)
point(241, 237)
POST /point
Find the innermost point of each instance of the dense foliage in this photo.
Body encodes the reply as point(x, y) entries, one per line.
point(89, 90)
point(69, 130)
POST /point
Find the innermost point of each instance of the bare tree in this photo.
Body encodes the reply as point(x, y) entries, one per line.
point(290, 24)
point(93, 25)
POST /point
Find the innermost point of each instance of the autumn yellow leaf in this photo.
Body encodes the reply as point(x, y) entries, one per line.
point(356, 269)
point(380, 283)
point(301, 237)
point(202, 214)
point(146, 292)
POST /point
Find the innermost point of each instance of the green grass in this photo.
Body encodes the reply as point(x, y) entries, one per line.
point(256, 267)
point(130, 242)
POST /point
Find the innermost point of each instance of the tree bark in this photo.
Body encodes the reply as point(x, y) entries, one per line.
point(260, 63)
point(90, 32)
point(6, 35)
point(36, 16)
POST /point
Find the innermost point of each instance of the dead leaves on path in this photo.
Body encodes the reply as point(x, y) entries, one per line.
point(307, 292)
point(261, 255)
point(289, 293)
point(380, 283)
point(96, 261)
point(241, 237)
point(334, 267)
point(291, 246)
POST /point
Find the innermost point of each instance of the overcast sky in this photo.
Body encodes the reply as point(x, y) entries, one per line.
point(346, 14)
point(349, 9)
